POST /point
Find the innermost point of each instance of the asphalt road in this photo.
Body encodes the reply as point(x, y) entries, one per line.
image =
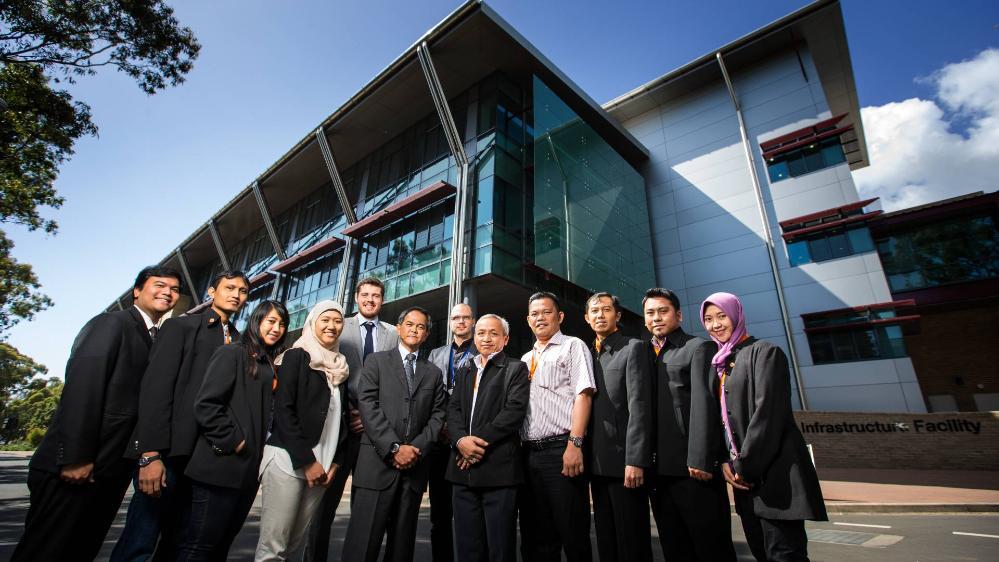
point(846, 538)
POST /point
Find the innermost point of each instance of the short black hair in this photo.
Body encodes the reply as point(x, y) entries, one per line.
point(604, 295)
point(545, 295)
point(154, 271)
point(229, 274)
point(420, 309)
point(370, 281)
point(660, 293)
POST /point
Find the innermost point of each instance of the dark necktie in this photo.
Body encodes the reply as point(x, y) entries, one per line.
point(410, 359)
point(152, 333)
point(369, 340)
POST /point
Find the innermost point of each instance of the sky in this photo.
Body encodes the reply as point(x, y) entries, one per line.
point(269, 72)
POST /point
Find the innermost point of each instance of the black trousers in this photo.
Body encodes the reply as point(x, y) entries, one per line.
point(554, 510)
point(70, 521)
point(772, 540)
point(621, 517)
point(693, 518)
point(485, 523)
point(212, 521)
point(441, 512)
point(154, 524)
point(317, 544)
point(373, 513)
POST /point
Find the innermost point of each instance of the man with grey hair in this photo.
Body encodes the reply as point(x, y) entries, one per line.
point(485, 415)
point(449, 359)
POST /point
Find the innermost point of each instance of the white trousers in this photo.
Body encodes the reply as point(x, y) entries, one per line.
point(287, 507)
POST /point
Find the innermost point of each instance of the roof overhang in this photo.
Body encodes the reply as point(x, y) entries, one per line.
point(818, 25)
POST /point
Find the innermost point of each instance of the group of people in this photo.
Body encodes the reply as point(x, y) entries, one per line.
point(199, 417)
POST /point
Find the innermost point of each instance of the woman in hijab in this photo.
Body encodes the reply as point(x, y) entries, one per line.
point(233, 408)
point(303, 452)
point(770, 470)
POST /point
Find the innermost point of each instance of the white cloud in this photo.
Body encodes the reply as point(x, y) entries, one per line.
point(915, 155)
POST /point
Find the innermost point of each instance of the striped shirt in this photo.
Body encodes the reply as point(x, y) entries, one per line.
point(562, 369)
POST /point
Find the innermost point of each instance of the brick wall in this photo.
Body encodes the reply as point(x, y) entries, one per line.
point(956, 441)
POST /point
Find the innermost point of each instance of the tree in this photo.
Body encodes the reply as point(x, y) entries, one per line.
point(16, 374)
point(46, 42)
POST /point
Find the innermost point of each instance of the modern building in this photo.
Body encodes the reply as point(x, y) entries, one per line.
point(942, 263)
point(471, 168)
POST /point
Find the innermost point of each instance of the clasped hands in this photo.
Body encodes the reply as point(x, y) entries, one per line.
point(406, 457)
point(471, 449)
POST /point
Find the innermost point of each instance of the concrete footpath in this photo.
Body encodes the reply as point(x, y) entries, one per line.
point(909, 491)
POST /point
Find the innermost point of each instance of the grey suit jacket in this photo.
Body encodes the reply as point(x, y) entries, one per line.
point(441, 355)
point(391, 415)
point(352, 348)
point(621, 429)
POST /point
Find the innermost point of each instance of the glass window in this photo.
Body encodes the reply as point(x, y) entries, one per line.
point(839, 246)
point(819, 249)
point(778, 171)
point(797, 253)
point(589, 204)
point(811, 158)
point(860, 240)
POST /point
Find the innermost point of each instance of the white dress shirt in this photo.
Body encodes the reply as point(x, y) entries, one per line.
point(561, 370)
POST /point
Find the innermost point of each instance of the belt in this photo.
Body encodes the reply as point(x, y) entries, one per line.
point(546, 443)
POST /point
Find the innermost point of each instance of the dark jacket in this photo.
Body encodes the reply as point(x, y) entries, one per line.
point(177, 365)
point(390, 416)
point(772, 453)
point(500, 407)
point(301, 405)
point(97, 411)
point(231, 406)
point(621, 430)
point(686, 408)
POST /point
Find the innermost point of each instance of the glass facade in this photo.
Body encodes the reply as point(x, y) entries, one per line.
point(855, 341)
point(309, 284)
point(812, 158)
point(829, 245)
point(942, 253)
point(591, 223)
point(256, 296)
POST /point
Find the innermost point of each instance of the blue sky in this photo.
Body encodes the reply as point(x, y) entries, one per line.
point(269, 72)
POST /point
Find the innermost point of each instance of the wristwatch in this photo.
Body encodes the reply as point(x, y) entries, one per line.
point(145, 461)
point(394, 448)
point(577, 441)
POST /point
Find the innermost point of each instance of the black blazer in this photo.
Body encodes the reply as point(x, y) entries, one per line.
point(621, 430)
point(688, 419)
point(230, 407)
point(390, 415)
point(97, 411)
point(177, 365)
point(772, 452)
point(301, 405)
point(500, 407)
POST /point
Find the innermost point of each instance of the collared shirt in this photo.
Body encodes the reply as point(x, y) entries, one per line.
point(145, 318)
point(480, 363)
point(562, 369)
point(403, 352)
point(361, 320)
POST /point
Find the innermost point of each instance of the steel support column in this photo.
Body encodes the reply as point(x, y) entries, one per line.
point(188, 280)
point(268, 224)
point(768, 236)
point(217, 238)
point(350, 249)
point(458, 261)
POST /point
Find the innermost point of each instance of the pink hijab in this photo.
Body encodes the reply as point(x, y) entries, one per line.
point(732, 307)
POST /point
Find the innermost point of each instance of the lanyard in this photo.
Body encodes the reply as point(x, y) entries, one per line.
point(454, 368)
point(536, 361)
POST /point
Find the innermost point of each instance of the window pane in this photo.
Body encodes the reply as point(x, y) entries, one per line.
point(822, 348)
point(778, 171)
point(838, 245)
point(843, 346)
point(867, 344)
point(832, 153)
point(813, 159)
point(819, 248)
point(796, 166)
point(797, 253)
point(860, 240)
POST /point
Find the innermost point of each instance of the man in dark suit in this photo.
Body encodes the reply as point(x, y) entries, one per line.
point(449, 359)
point(363, 334)
point(689, 499)
point(621, 435)
point(166, 431)
point(401, 399)
point(485, 415)
point(78, 476)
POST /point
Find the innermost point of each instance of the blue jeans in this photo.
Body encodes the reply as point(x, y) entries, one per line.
point(147, 515)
